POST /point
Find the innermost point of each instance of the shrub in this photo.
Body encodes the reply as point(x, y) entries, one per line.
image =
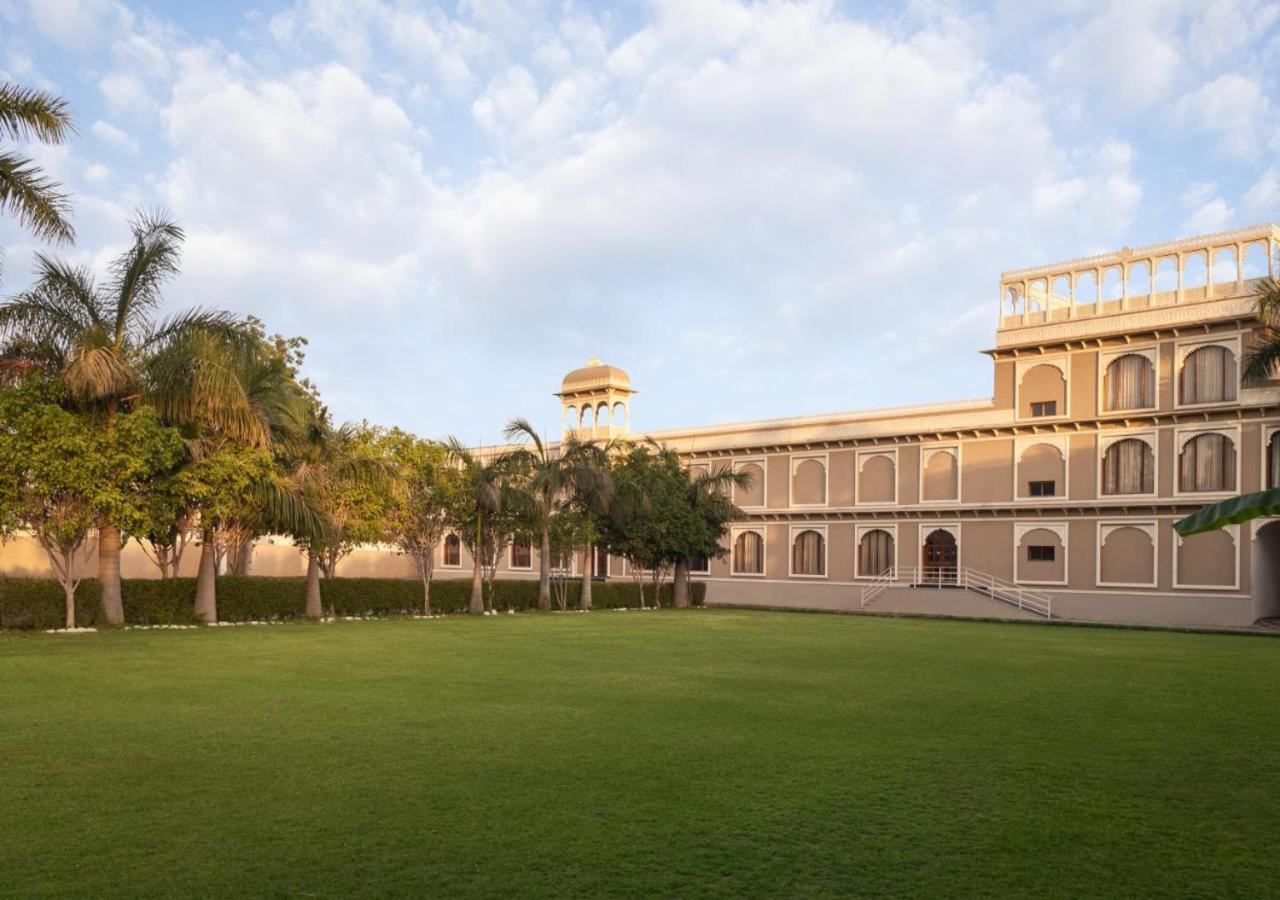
point(37, 603)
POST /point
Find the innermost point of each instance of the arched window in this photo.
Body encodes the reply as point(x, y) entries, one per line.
point(521, 553)
point(571, 416)
point(748, 554)
point(452, 551)
point(1273, 460)
point(1207, 463)
point(619, 414)
point(1129, 467)
point(1130, 383)
point(1208, 376)
point(875, 553)
point(808, 554)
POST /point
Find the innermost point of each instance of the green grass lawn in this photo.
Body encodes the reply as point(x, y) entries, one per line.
point(679, 754)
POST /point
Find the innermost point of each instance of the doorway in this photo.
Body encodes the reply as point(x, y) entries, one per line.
point(940, 558)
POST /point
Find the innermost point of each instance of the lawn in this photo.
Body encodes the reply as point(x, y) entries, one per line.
point(679, 754)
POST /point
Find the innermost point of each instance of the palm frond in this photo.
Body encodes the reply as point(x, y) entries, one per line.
point(32, 114)
point(36, 200)
point(96, 370)
point(137, 274)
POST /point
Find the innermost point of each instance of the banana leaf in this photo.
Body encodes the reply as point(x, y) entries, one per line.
point(1231, 512)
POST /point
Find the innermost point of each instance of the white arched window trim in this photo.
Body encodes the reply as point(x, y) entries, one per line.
point(796, 531)
point(955, 451)
point(763, 464)
point(1058, 530)
point(1182, 437)
point(1179, 540)
point(861, 531)
point(798, 460)
point(734, 533)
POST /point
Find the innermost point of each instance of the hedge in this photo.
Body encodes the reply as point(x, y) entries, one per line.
point(38, 603)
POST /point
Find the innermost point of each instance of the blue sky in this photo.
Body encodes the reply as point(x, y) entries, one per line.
point(758, 210)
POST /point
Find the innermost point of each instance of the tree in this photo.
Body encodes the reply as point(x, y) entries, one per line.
point(482, 511)
point(423, 486)
point(552, 476)
point(25, 191)
point(589, 496)
point(708, 497)
point(1262, 357)
point(343, 476)
point(649, 522)
point(112, 354)
point(60, 474)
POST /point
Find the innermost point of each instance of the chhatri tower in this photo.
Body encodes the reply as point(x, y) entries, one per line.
point(595, 401)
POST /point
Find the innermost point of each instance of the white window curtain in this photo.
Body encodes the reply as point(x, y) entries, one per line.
point(748, 554)
point(1131, 383)
point(1128, 468)
point(1208, 376)
point(875, 553)
point(1208, 463)
point(806, 554)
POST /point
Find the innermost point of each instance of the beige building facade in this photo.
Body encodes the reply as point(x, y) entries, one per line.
point(1117, 408)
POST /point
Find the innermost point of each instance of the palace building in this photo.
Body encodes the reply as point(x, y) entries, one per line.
point(1117, 408)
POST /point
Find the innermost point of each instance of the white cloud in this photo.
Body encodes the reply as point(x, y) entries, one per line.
point(110, 134)
point(1233, 107)
point(1214, 215)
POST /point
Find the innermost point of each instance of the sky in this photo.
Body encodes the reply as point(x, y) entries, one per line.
point(756, 209)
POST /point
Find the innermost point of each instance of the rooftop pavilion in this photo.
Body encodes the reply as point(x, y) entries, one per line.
point(1110, 292)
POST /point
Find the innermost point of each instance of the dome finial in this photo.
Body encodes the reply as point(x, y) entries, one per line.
point(594, 361)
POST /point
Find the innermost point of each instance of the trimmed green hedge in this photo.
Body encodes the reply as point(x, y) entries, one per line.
point(38, 603)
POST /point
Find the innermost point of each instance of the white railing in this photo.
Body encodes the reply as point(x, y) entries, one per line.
point(962, 577)
point(878, 586)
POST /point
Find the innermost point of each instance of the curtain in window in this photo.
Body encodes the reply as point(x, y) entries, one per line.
point(1208, 376)
point(748, 554)
point(452, 551)
point(521, 554)
point(1273, 461)
point(1128, 468)
point(806, 554)
point(1208, 464)
point(1130, 383)
point(875, 553)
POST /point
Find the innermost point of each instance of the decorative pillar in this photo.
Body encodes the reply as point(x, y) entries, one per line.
point(1180, 264)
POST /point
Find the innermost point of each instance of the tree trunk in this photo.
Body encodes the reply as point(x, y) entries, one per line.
point(680, 586)
point(109, 573)
point(477, 585)
point(315, 608)
point(544, 571)
point(424, 571)
point(206, 607)
point(69, 590)
point(243, 558)
point(588, 558)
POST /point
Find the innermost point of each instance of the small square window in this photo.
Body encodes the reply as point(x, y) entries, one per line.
point(1044, 408)
point(699, 564)
point(1042, 488)
point(1040, 554)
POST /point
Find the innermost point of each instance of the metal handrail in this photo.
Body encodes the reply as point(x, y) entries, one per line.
point(963, 577)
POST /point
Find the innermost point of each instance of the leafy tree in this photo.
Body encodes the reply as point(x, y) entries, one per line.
point(25, 191)
point(587, 501)
point(343, 475)
point(649, 522)
point(708, 497)
point(112, 354)
point(60, 474)
point(423, 487)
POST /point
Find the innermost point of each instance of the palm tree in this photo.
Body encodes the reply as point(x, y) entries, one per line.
point(478, 507)
point(281, 407)
point(26, 192)
point(548, 479)
point(105, 342)
point(1263, 354)
point(590, 493)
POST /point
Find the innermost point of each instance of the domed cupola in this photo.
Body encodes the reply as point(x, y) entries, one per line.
point(595, 400)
